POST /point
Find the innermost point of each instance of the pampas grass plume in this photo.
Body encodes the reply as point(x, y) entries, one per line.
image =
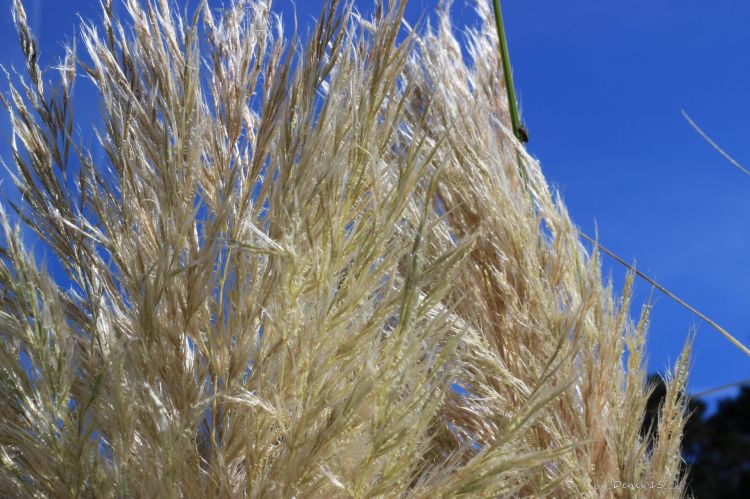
point(287, 270)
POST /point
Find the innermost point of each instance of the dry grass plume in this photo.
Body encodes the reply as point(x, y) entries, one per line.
point(303, 271)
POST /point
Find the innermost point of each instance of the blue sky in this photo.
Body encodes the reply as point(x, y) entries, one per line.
point(601, 84)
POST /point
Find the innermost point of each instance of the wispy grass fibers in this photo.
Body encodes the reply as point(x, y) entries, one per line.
point(303, 271)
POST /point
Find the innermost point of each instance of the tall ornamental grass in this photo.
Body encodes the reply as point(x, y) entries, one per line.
point(287, 270)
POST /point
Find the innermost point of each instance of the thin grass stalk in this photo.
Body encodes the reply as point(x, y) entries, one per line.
point(720, 388)
point(669, 294)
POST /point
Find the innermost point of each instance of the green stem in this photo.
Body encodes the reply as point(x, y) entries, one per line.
point(515, 118)
point(518, 130)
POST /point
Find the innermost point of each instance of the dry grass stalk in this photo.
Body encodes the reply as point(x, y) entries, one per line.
point(288, 257)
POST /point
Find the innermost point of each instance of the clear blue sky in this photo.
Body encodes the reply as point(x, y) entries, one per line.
point(601, 85)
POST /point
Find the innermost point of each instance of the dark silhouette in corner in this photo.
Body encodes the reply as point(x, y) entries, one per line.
point(716, 448)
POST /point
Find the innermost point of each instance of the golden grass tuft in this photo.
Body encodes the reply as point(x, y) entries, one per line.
point(287, 262)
